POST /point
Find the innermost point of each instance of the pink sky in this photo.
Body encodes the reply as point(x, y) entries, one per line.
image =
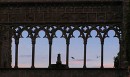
point(111, 48)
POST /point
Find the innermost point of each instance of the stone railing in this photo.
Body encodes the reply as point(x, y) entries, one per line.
point(73, 72)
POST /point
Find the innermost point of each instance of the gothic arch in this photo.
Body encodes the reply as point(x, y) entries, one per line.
point(67, 17)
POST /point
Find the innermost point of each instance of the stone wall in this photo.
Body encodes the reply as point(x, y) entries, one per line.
point(5, 47)
point(84, 12)
point(52, 0)
point(40, 13)
point(63, 73)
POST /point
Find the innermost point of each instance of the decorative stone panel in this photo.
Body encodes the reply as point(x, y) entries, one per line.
point(70, 13)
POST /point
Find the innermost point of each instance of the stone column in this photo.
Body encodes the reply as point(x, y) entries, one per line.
point(0, 51)
point(120, 52)
point(67, 52)
point(102, 53)
point(33, 52)
point(50, 51)
point(16, 52)
point(85, 43)
point(126, 30)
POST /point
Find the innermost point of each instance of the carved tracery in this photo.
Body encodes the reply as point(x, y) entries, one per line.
point(67, 33)
point(67, 17)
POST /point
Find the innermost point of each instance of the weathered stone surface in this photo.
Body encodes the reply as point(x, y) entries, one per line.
point(61, 13)
point(52, 0)
point(63, 73)
point(13, 12)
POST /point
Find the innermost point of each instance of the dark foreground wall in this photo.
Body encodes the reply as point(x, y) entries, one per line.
point(63, 73)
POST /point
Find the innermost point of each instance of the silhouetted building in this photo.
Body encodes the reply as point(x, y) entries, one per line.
point(67, 16)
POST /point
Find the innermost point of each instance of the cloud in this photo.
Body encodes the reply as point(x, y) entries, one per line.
point(83, 60)
point(75, 62)
point(25, 56)
point(79, 62)
point(91, 60)
point(109, 65)
point(92, 64)
point(27, 65)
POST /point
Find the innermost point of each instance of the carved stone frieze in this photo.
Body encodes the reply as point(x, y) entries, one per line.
point(84, 16)
point(69, 13)
point(67, 31)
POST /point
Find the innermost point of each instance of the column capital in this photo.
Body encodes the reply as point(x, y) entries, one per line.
point(102, 41)
point(85, 41)
point(67, 42)
point(50, 41)
point(16, 40)
point(33, 40)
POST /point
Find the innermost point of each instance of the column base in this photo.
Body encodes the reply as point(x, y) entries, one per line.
point(58, 66)
point(102, 67)
point(32, 67)
point(15, 66)
point(84, 66)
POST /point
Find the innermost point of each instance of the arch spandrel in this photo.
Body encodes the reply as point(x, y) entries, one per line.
point(36, 15)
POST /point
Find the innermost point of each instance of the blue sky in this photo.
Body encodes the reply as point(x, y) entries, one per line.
point(111, 48)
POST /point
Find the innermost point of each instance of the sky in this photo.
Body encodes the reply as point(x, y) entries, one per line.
point(111, 48)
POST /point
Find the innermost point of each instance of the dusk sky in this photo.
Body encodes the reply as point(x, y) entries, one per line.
point(111, 48)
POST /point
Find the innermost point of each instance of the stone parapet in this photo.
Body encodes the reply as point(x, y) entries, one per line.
point(104, 12)
point(63, 72)
point(53, 0)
